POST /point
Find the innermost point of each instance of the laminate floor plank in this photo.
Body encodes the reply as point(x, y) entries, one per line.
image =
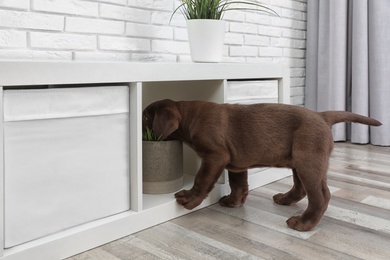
point(235, 232)
point(254, 238)
point(355, 226)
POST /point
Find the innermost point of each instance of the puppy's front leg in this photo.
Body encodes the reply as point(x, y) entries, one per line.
point(207, 176)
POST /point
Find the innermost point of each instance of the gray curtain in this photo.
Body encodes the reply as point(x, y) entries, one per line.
point(348, 64)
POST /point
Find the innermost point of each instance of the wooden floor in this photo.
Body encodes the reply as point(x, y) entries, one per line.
point(355, 226)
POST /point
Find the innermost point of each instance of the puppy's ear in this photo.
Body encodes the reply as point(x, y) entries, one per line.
point(166, 121)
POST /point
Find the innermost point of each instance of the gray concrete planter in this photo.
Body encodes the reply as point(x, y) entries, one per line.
point(162, 166)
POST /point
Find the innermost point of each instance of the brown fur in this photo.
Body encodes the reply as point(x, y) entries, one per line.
point(238, 137)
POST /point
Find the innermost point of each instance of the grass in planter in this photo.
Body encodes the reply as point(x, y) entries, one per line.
point(214, 9)
point(149, 135)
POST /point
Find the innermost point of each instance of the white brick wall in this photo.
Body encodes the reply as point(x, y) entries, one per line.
point(139, 30)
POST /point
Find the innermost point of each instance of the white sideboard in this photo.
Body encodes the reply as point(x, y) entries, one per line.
point(147, 82)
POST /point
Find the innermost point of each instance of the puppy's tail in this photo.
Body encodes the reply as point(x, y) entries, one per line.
point(334, 117)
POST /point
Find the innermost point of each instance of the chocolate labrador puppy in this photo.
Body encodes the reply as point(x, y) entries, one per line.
point(239, 137)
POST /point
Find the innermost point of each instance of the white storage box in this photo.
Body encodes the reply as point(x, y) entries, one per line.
point(252, 91)
point(66, 158)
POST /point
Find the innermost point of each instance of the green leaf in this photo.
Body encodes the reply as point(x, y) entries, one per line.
point(149, 135)
point(214, 9)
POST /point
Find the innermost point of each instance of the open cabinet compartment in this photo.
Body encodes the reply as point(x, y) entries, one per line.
point(206, 90)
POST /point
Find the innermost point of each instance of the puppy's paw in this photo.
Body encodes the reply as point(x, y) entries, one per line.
point(281, 199)
point(298, 224)
point(187, 199)
point(231, 202)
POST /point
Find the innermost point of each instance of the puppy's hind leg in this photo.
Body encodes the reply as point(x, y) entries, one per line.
point(238, 182)
point(296, 193)
point(318, 194)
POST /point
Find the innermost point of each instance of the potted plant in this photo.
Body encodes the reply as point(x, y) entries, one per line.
point(206, 29)
point(162, 164)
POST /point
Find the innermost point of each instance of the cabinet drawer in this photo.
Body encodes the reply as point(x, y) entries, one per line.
point(66, 158)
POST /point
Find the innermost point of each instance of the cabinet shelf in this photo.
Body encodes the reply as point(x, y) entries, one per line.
point(154, 200)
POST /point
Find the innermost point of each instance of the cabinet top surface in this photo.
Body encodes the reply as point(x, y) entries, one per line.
point(35, 73)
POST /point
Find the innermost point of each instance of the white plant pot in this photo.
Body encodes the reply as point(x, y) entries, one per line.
point(206, 38)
